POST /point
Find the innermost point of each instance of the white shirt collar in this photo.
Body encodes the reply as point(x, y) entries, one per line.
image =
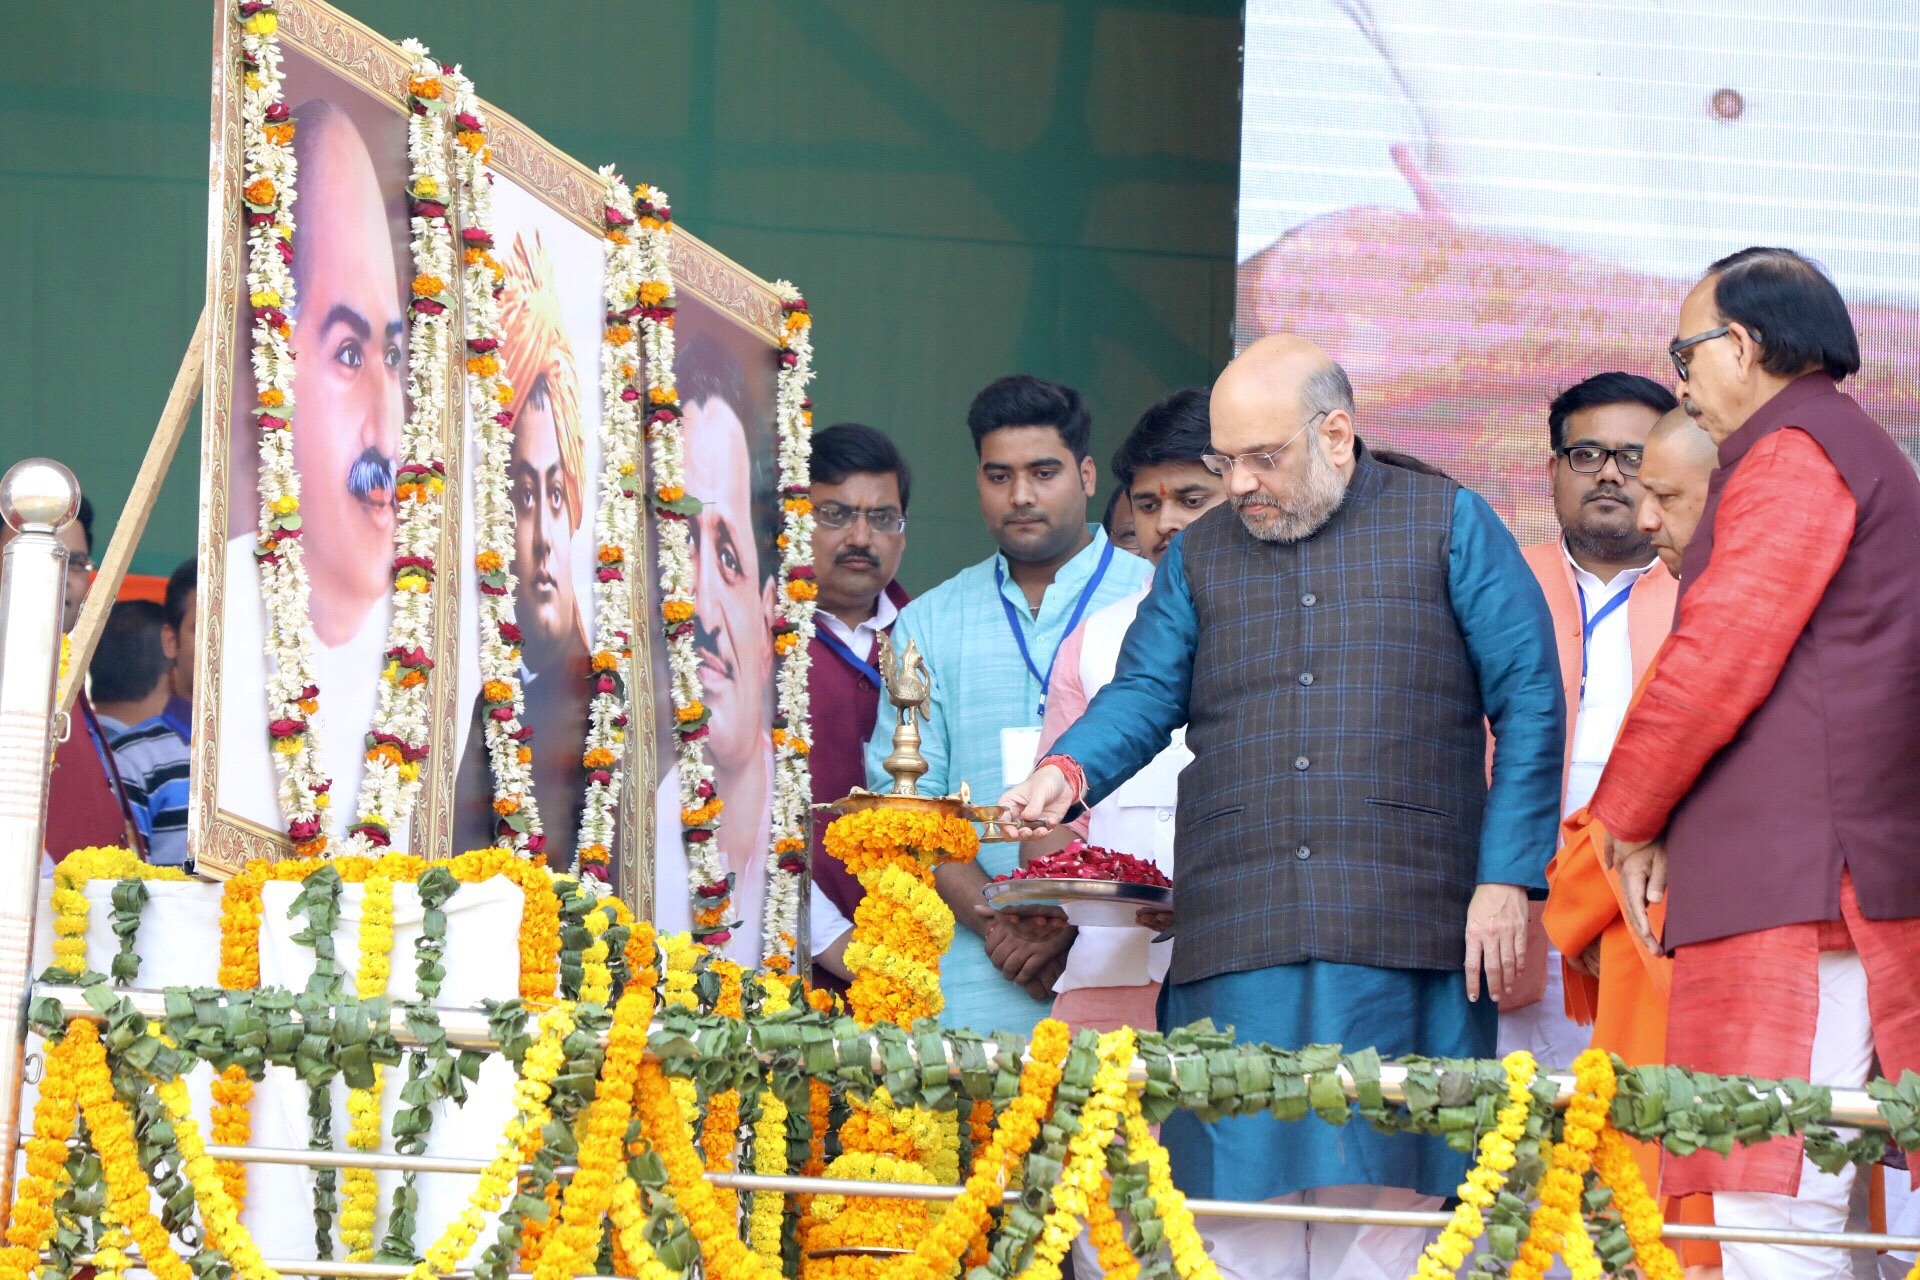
point(1596, 591)
point(859, 639)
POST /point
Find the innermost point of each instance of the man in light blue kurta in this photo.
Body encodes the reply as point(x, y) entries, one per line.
point(1335, 640)
point(990, 649)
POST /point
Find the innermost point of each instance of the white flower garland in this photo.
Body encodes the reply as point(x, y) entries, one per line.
point(617, 525)
point(268, 196)
point(397, 741)
point(490, 400)
point(793, 631)
point(700, 803)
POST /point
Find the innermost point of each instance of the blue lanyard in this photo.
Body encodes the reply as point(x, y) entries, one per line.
point(859, 664)
point(1588, 625)
point(1073, 620)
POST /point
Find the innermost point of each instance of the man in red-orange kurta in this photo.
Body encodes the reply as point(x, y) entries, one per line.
point(1767, 784)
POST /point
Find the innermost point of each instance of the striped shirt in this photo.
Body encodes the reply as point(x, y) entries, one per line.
point(153, 765)
point(982, 685)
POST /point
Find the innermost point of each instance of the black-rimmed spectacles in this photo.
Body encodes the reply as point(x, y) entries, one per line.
point(834, 515)
point(1679, 345)
point(1588, 459)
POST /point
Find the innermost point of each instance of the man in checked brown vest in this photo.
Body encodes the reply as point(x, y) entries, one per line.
point(1767, 784)
point(1335, 639)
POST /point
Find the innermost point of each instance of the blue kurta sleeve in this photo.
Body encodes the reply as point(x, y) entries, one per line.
point(1509, 635)
point(912, 626)
point(1132, 718)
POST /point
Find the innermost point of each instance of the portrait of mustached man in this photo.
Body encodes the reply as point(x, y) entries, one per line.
point(548, 488)
point(350, 351)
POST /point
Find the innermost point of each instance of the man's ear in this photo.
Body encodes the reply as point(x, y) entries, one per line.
point(1089, 476)
point(1747, 351)
point(170, 642)
point(1337, 429)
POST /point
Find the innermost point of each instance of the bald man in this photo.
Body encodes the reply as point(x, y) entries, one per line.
point(1332, 637)
point(1680, 457)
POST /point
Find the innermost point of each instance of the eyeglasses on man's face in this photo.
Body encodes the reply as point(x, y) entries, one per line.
point(1677, 348)
point(1590, 458)
point(837, 515)
point(1223, 463)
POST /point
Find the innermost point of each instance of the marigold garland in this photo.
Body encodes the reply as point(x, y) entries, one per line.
point(1557, 1225)
point(72, 913)
point(720, 1130)
point(1184, 1242)
point(630, 1228)
point(110, 1131)
point(517, 823)
point(30, 1225)
point(617, 528)
point(360, 1213)
point(1086, 1167)
point(713, 1227)
point(770, 1158)
point(1109, 1237)
point(1444, 1256)
point(793, 628)
point(232, 1116)
point(1618, 1168)
point(266, 136)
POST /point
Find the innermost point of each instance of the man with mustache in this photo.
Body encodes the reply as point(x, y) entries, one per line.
point(1612, 603)
point(549, 502)
point(1771, 767)
point(991, 635)
point(349, 345)
point(1335, 641)
point(735, 566)
point(859, 494)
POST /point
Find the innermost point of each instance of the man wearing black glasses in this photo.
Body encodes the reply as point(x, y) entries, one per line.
point(1766, 786)
point(1612, 604)
point(860, 488)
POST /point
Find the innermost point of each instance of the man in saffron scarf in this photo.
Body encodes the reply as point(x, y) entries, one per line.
point(1613, 983)
point(1769, 776)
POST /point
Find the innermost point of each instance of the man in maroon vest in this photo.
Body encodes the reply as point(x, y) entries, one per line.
point(1767, 785)
point(860, 485)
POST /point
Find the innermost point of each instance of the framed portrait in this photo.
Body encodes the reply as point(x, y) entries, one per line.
point(346, 86)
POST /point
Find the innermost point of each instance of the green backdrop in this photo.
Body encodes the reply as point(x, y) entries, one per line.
point(962, 190)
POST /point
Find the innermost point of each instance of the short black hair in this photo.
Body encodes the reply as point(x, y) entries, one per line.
point(1113, 505)
point(1175, 430)
point(853, 448)
point(181, 583)
point(704, 370)
point(1613, 387)
point(130, 661)
point(85, 517)
point(1792, 309)
point(1022, 400)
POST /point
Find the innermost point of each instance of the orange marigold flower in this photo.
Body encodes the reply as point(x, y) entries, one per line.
point(598, 758)
point(605, 661)
point(671, 493)
point(524, 755)
point(789, 845)
point(801, 589)
point(503, 393)
point(497, 691)
point(506, 805)
point(487, 561)
point(424, 87)
point(273, 398)
point(427, 286)
point(280, 135)
point(663, 395)
point(619, 335)
point(413, 679)
point(652, 293)
point(472, 140)
point(618, 236)
point(786, 642)
point(610, 554)
point(800, 506)
point(260, 191)
point(385, 751)
point(594, 855)
point(689, 713)
point(712, 916)
point(676, 610)
point(483, 366)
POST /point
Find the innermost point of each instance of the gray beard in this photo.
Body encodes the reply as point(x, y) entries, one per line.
point(1317, 497)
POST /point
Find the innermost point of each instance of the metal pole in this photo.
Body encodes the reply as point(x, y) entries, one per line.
point(467, 1029)
point(37, 498)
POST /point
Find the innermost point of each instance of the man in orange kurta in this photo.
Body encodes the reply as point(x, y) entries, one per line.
point(1612, 981)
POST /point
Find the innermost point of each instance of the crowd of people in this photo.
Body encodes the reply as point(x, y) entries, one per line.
point(1649, 785)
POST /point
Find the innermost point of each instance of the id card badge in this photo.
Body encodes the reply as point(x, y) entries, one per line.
point(1019, 752)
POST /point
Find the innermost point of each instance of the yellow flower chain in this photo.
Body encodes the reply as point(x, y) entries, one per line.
point(1557, 1225)
point(110, 1130)
point(1190, 1260)
point(360, 1212)
point(1444, 1256)
point(596, 976)
point(1086, 1167)
point(110, 1260)
point(71, 910)
point(769, 1158)
point(601, 1130)
point(716, 1231)
point(630, 1233)
point(30, 1225)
